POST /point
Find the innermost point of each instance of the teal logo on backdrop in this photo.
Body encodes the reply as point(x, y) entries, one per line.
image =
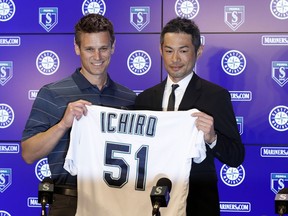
point(278, 152)
point(279, 72)
point(275, 40)
point(139, 62)
point(10, 41)
point(233, 62)
point(47, 62)
point(6, 148)
point(279, 9)
point(278, 181)
point(48, 17)
point(6, 116)
point(240, 123)
point(187, 8)
point(278, 118)
point(7, 10)
point(139, 17)
point(4, 213)
point(234, 16)
point(241, 95)
point(6, 71)
point(93, 6)
point(5, 178)
point(232, 176)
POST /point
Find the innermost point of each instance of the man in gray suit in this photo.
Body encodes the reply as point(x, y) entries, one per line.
point(180, 48)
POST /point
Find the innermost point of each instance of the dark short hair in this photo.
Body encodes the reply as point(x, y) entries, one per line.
point(93, 23)
point(182, 25)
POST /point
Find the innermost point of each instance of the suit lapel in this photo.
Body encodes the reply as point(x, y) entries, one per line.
point(158, 95)
point(191, 94)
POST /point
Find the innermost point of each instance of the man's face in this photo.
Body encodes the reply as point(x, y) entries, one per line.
point(95, 53)
point(179, 55)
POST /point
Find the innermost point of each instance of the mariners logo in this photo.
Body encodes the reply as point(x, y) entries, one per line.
point(240, 123)
point(139, 17)
point(47, 62)
point(6, 115)
point(233, 62)
point(279, 72)
point(234, 16)
point(278, 181)
point(278, 118)
point(94, 6)
point(4, 213)
point(232, 176)
point(48, 17)
point(279, 9)
point(139, 62)
point(42, 169)
point(6, 71)
point(7, 10)
point(10, 40)
point(187, 8)
point(5, 178)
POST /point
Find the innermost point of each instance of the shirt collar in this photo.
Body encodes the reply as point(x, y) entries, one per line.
point(182, 83)
point(83, 83)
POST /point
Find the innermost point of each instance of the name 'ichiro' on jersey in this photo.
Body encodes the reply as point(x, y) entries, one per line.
point(119, 155)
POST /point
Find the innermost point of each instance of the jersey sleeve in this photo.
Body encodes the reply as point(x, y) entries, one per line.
point(70, 163)
point(198, 147)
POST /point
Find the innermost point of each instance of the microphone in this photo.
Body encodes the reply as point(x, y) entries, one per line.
point(281, 202)
point(160, 195)
point(45, 193)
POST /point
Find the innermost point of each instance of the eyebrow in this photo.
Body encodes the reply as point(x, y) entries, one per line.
point(179, 47)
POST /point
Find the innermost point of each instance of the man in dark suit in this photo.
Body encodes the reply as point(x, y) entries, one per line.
point(180, 48)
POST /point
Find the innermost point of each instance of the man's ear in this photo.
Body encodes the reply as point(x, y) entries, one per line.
point(113, 47)
point(160, 49)
point(200, 51)
point(76, 48)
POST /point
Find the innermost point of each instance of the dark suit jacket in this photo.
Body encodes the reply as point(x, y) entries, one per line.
point(216, 102)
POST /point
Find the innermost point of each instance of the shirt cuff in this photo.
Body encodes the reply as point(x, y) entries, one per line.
point(213, 144)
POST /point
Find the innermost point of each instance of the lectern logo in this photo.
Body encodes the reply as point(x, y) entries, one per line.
point(234, 16)
point(7, 10)
point(5, 178)
point(187, 8)
point(139, 17)
point(42, 169)
point(280, 72)
point(94, 6)
point(279, 9)
point(48, 17)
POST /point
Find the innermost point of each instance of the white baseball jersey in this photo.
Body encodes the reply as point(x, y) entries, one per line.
point(119, 155)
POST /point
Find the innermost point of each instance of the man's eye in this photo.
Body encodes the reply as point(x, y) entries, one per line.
point(184, 51)
point(104, 49)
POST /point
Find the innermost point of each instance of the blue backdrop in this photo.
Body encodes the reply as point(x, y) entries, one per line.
point(246, 51)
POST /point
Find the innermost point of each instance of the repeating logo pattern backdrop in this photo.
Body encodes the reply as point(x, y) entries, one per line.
point(246, 51)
